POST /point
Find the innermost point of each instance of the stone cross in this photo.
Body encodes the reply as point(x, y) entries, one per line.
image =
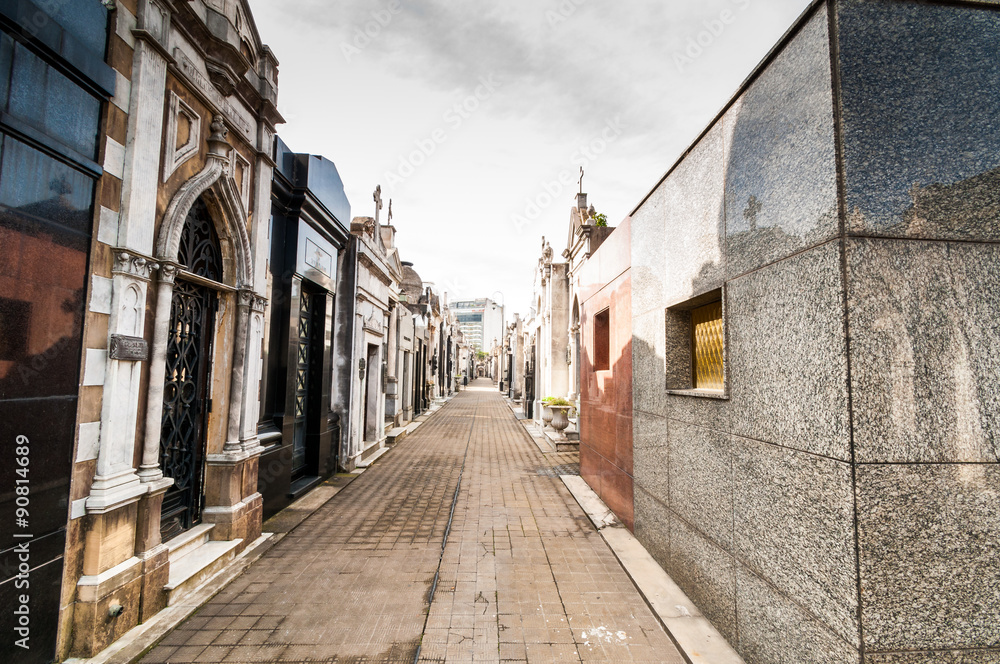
point(753, 209)
point(378, 201)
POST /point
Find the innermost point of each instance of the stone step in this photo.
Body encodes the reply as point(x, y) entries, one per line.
point(189, 571)
point(189, 540)
point(396, 435)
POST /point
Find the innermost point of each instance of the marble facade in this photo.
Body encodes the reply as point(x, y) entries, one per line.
point(198, 75)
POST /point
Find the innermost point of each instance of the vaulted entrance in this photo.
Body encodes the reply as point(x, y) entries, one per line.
point(186, 394)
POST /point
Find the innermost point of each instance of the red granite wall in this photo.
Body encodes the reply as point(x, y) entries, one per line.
point(606, 396)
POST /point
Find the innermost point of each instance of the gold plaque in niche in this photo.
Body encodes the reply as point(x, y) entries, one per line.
point(706, 327)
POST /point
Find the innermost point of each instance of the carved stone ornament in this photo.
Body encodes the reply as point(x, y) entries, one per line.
point(219, 130)
point(168, 272)
point(246, 297)
point(362, 367)
point(373, 324)
point(129, 264)
point(128, 349)
point(223, 79)
point(259, 304)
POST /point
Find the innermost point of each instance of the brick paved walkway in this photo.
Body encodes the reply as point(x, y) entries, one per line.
point(523, 577)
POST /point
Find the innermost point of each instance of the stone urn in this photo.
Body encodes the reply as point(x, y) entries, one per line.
point(560, 417)
point(546, 415)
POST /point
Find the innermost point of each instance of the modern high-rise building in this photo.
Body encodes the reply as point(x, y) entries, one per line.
point(481, 321)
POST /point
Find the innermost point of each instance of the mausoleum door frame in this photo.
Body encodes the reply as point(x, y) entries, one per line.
point(229, 217)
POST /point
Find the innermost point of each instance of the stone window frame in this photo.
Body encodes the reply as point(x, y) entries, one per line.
point(679, 347)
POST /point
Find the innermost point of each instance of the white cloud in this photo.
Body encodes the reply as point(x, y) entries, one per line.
point(561, 82)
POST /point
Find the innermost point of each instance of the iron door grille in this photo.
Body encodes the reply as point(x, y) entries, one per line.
point(182, 433)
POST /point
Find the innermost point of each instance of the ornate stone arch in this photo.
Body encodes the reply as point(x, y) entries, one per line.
point(223, 196)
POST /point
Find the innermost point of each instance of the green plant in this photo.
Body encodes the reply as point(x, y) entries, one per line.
point(601, 219)
point(557, 401)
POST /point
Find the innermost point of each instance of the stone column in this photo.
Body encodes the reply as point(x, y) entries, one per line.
point(233, 446)
point(251, 390)
point(149, 470)
point(574, 365)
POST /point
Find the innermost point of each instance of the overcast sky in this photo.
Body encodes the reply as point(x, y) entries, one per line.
point(475, 117)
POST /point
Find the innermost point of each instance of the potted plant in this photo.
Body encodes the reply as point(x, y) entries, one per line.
point(560, 413)
point(546, 413)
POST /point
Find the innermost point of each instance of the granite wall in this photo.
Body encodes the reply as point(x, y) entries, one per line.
point(838, 501)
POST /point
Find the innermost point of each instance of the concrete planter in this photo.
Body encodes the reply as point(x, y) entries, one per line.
point(546, 415)
point(560, 417)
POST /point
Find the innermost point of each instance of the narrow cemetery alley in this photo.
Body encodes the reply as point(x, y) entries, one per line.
point(460, 545)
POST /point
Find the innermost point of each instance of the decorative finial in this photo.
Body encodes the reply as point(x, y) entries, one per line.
point(388, 219)
point(581, 179)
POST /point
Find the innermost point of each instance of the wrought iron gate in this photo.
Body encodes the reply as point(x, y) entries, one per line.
point(303, 360)
point(185, 405)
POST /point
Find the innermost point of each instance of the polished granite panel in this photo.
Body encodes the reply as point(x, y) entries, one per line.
point(921, 133)
point(647, 241)
point(925, 350)
point(705, 573)
point(616, 492)
point(787, 354)
point(774, 630)
point(648, 431)
point(794, 525)
point(703, 411)
point(930, 564)
point(701, 479)
point(781, 165)
point(652, 526)
point(694, 228)
point(936, 657)
point(652, 466)
point(648, 372)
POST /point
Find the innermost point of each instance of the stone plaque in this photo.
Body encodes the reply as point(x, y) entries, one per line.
point(129, 349)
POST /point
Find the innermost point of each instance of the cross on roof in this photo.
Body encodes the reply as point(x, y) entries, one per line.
point(378, 201)
point(753, 209)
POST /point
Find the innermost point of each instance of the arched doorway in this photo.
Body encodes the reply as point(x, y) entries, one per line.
point(186, 392)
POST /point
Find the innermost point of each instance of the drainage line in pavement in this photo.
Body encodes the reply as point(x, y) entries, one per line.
point(447, 531)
